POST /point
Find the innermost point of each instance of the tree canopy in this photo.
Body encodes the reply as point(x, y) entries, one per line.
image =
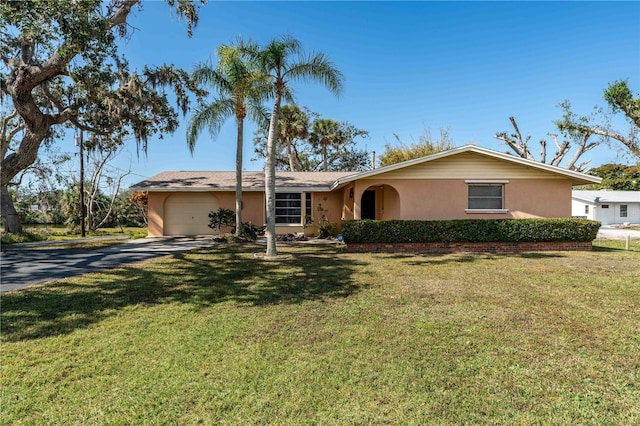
point(426, 145)
point(620, 99)
point(619, 177)
point(62, 69)
point(301, 147)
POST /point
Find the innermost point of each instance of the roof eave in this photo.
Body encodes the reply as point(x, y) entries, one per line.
point(229, 189)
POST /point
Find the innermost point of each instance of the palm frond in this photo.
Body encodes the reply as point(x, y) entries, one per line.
point(206, 74)
point(317, 67)
point(211, 117)
point(259, 114)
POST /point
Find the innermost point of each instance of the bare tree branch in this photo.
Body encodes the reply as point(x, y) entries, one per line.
point(561, 151)
point(629, 143)
point(520, 146)
point(582, 148)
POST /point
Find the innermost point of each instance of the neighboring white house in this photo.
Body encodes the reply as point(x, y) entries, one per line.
point(607, 206)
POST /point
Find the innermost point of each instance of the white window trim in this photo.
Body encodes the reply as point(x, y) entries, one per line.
point(481, 181)
point(491, 211)
point(487, 182)
point(302, 208)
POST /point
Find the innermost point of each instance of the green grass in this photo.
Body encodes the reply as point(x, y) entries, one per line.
point(60, 232)
point(73, 244)
point(216, 336)
point(603, 245)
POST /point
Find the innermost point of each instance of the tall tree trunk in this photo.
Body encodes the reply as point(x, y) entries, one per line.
point(292, 167)
point(239, 143)
point(13, 164)
point(9, 213)
point(324, 156)
point(270, 178)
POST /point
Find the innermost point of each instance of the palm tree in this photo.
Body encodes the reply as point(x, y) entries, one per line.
point(283, 59)
point(241, 90)
point(293, 125)
point(325, 132)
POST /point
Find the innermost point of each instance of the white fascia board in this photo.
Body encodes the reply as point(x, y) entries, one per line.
point(584, 200)
point(231, 189)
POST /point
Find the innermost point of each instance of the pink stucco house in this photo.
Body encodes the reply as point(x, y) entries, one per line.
point(468, 182)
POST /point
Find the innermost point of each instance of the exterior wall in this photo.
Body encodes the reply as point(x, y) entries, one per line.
point(252, 207)
point(468, 165)
point(577, 210)
point(440, 199)
point(610, 216)
point(252, 211)
point(607, 216)
point(155, 210)
point(333, 205)
point(633, 213)
point(348, 202)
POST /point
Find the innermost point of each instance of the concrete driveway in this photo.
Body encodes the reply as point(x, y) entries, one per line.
point(23, 268)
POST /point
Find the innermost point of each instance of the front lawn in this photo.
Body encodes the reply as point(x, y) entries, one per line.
point(216, 336)
point(60, 232)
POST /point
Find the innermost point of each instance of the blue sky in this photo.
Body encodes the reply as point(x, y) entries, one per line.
point(466, 66)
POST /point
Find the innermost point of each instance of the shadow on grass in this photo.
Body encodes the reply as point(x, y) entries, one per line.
point(617, 247)
point(201, 278)
point(426, 259)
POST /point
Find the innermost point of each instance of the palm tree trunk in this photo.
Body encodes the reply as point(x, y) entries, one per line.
point(292, 167)
point(270, 178)
point(324, 156)
point(239, 143)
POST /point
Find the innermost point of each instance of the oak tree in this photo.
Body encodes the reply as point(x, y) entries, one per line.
point(62, 68)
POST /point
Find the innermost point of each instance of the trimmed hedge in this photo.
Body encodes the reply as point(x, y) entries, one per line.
point(469, 230)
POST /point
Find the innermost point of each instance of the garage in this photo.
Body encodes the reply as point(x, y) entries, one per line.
point(188, 214)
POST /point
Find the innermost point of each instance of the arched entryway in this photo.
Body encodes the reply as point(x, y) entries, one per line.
point(380, 202)
point(188, 213)
point(368, 204)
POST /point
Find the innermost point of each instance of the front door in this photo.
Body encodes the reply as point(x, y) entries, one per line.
point(368, 205)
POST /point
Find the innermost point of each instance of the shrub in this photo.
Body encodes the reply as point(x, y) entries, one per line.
point(223, 217)
point(227, 218)
point(469, 230)
point(249, 231)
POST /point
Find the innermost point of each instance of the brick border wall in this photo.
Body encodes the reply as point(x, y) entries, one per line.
point(497, 247)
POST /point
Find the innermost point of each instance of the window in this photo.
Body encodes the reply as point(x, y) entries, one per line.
point(486, 197)
point(586, 209)
point(623, 210)
point(307, 209)
point(604, 206)
point(289, 207)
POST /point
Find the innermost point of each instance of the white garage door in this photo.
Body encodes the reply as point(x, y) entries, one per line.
point(188, 214)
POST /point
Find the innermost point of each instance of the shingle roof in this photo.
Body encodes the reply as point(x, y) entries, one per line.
point(226, 181)
point(324, 181)
point(606, 196)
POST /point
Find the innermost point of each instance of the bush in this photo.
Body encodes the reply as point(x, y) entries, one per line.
point(227, 218)
point(469, 230)
point(223, 217)
point(249, 231)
